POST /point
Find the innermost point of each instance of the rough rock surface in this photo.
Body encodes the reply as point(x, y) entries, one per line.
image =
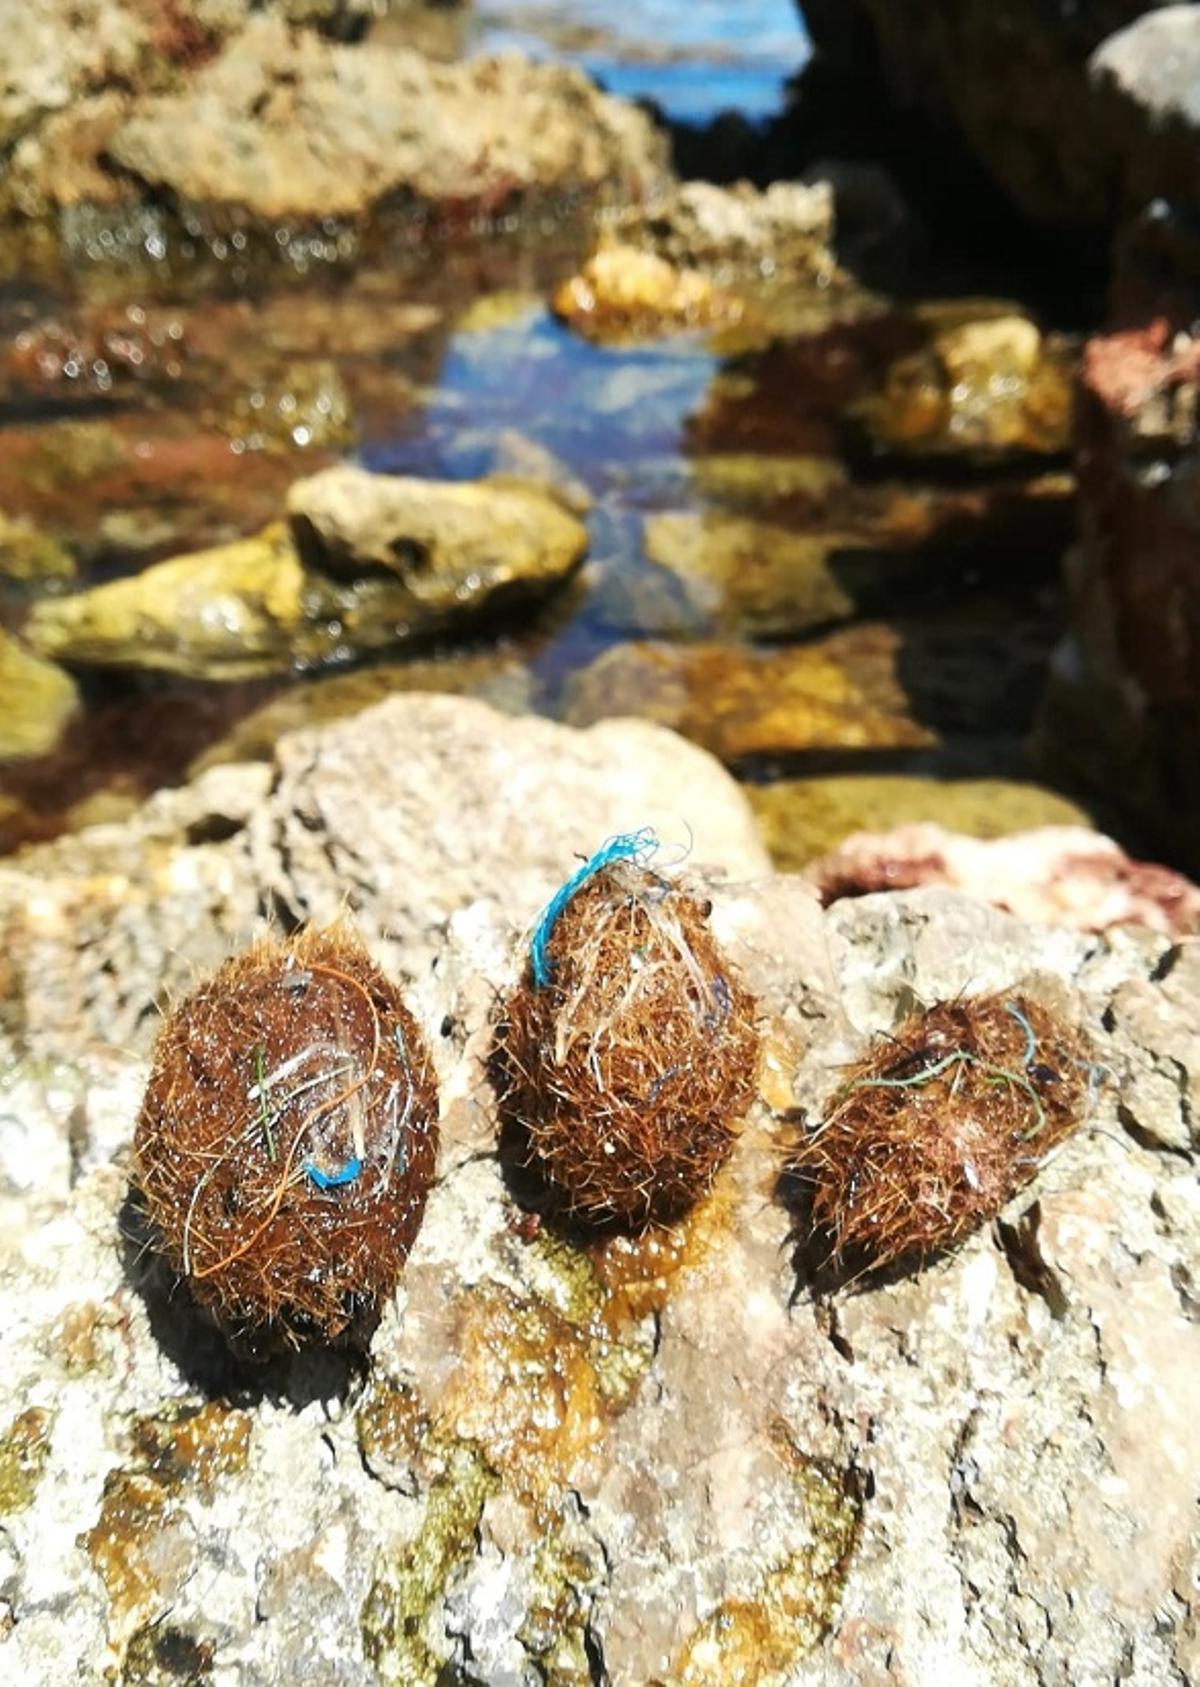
point(1056, 875)
point(1123, 706)
point(669, 1462)
point(1011, 79)
point(285, 125)
point(371, 561)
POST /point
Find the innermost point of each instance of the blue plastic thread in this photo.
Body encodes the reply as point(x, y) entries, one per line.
point(333, 1180)
point(626, 846)
point(1022, 1021)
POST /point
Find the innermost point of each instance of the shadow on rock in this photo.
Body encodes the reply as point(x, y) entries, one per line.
point(221, 1366)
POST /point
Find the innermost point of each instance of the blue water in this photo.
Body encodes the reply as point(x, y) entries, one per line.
point(693, 58)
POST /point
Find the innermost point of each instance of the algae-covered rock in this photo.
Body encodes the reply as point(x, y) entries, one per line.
point(297, 407)
point(405, 559)
point(740, 703)
point(984, 384)
point(448, 542)
point(30, 556)
point(802, 818)
point(36, 701)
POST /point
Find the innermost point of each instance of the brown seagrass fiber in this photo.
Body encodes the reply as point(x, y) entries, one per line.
point(940, 1125)
point(287, 1139)
point(624, 1078)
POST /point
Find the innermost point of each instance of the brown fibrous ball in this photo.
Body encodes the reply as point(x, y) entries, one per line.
point(287, 1140)
point(622, 1081)
point(942, 1122)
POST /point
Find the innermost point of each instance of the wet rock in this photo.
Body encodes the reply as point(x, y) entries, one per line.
point(837, 551)
point(495, 677)
point(300, 407)
point(660, 1460)
point(805, 818)
point(30, 556)
point(36, 701)
point(376, 561)
point(1123, 706)
point(741, 704)
point(448, 542)
point(1057, 875)
point(284, 126)
point(983, 387)
point(622, 292)
point(706, 257)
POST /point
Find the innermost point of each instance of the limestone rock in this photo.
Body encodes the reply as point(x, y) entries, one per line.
point(36, 700)
point(666, 1460)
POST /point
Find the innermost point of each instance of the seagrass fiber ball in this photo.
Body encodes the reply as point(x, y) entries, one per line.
point(942, 1122)
point(287, 1140)
point(627, 1055)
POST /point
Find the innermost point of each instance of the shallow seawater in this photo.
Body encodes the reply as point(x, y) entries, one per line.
point(757, 576)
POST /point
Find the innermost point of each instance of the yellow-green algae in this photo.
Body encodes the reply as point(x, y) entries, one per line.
point(395, 1616)
point(757, 1639)
point(23, 1450)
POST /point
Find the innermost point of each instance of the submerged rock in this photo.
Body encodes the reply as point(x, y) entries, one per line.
point(373, 562)
point(740, 703)
point(30, 556)
point(706, 257)
point(665, 1460)
point(982, 386)
point(36, 701)
point(804, 818)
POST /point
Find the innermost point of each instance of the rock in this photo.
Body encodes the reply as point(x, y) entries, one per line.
point(36, 701)
point(869, 686)
point(621, 292)
point(1122, 705)
point(701, 256)
point(300, 407)
point(377, 561)
point(495, 677)
point(665, 1460)
point(30, 556)
point(188, 850)
point(282, 125)
point(1011, 84)
point(803, 818)
point(839, 551)
point(448, 542)
point(985, 387)
point(1056, 875)
point(1146, 77)
point(741, 704)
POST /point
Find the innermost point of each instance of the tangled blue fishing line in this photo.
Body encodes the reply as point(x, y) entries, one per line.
point(640, 847)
